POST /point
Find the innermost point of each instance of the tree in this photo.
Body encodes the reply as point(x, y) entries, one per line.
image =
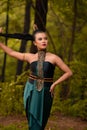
point(41, 9)
point(70, 55)
point(26, 30)
point(6, 40)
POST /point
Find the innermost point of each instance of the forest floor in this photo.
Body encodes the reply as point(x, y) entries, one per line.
point(55, 122)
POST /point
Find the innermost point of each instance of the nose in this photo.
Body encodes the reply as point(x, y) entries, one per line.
point(43, 40)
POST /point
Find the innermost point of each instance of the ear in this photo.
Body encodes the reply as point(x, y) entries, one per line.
point(34, 43)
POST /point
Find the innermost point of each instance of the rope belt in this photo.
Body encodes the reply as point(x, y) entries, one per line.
point(33, 77)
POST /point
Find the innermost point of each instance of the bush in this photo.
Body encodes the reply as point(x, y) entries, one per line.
point(75, 104)
point(11, 96)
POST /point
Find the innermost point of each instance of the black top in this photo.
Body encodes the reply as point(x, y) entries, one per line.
point(48, 69)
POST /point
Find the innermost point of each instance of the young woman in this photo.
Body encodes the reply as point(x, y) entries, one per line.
point(39, 89)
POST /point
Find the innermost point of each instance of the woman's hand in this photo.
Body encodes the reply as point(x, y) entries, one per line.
point(52, 89)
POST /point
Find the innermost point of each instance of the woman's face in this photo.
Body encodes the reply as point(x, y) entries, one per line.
point(41, 41)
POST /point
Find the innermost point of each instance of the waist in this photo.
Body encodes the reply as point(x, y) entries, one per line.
point(33, 77)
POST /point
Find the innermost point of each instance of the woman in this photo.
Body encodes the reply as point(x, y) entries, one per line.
point(39, 89)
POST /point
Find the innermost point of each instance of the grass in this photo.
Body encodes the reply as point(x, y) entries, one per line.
point(23, 126)
point(17, 126)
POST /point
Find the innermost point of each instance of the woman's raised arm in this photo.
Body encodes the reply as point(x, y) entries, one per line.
point(12, 53)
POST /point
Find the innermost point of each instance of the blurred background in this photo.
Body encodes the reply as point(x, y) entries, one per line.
point(66, 25)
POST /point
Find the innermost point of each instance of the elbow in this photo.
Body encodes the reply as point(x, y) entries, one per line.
point(70, 73)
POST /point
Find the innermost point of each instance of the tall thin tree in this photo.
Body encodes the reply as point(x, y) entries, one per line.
point(65, 87)
point(70, 54)
point(40, 17)
point(6, 40)
point(26, 30)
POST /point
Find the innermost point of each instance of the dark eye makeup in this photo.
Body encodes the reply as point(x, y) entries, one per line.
point(42, 38)
point(39, 39)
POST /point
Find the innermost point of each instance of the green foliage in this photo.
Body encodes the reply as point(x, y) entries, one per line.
point(76, 103)
point(11, 96)
point(11, 99)
point(11, 127)
point(15, 126)
point(78, 109)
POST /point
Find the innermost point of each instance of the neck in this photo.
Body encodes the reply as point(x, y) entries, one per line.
point(44, 50)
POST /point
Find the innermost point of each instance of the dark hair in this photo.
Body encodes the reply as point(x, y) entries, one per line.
point(37, 31)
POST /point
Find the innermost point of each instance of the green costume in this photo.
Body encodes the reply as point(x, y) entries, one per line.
point(38, 102)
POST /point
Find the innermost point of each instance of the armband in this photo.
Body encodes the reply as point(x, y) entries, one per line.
point(24, 56)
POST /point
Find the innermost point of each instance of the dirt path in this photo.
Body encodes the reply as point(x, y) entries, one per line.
point(66, 123)
point(56, 122)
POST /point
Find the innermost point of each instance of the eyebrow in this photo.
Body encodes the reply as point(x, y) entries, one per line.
point(42, 37)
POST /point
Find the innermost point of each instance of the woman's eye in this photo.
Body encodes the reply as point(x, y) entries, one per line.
point(40, 39)
point(45, 38)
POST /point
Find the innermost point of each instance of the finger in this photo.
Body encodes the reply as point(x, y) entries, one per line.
point(52, 94)
point(50, 90)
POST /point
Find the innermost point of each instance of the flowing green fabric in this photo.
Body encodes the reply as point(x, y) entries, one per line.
point(36, 105)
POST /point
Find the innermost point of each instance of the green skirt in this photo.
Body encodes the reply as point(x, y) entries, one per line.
point(37, 105)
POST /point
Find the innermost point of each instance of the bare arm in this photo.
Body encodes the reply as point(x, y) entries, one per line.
point(12, 53)
point(67, 72)
point(63, 67)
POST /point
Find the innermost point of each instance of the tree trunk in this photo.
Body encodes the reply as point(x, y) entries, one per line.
point(6, 40)
point(40, 18)
point(26, 30)
point(40, 13)
point(65, 86)
point(70, 54)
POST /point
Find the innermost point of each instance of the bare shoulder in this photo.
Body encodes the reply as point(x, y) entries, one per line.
point(52, 55)
point(55, 58)
point(29, 57)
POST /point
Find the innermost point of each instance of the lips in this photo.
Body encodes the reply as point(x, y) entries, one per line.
point(44, 44)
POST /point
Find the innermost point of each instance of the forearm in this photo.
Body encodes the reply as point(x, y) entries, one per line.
point(6, 49)
point(63, 78)
point(15, 54)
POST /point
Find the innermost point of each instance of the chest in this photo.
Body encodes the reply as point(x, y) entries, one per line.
point(48, 68)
